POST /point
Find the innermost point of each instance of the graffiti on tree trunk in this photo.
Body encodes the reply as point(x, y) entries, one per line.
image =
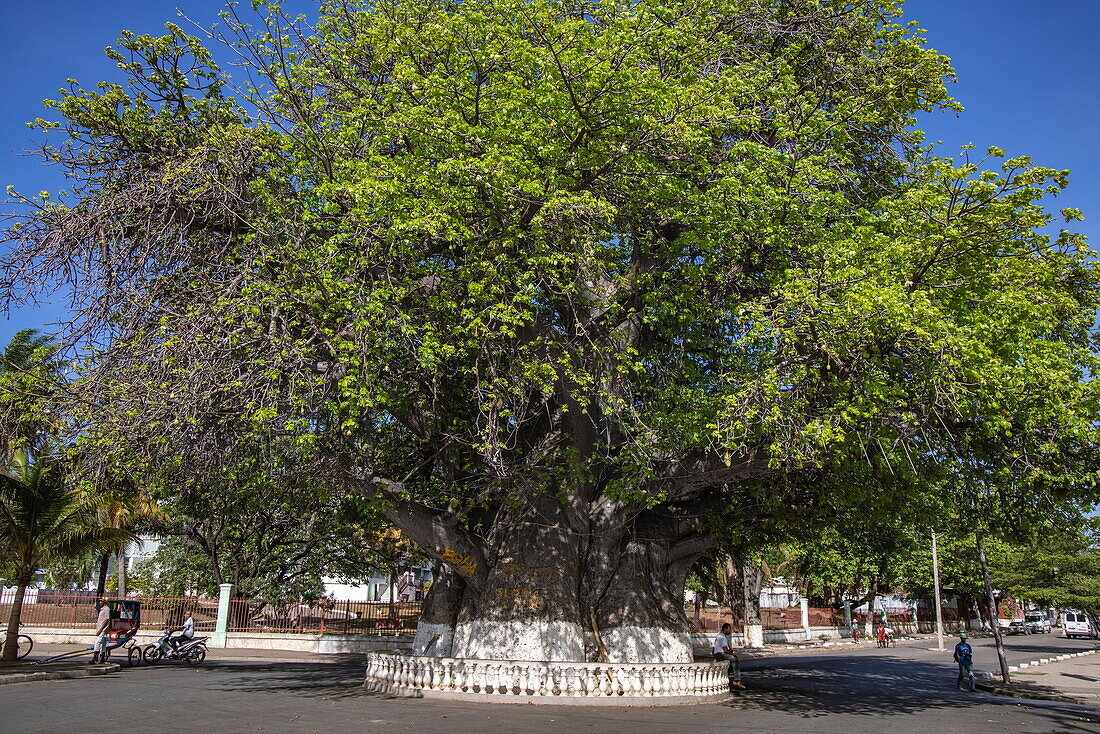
point(522, 592)
point(456, 559)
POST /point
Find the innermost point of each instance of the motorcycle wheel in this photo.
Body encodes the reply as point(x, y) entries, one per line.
point(134, 656)
point(196, 655)
point(152, 654)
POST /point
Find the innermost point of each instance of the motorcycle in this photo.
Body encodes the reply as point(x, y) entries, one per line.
point(192, 652)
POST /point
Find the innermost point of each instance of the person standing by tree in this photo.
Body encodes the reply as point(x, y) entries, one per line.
point(964, 656)
point(102, 627)
point(723, 651)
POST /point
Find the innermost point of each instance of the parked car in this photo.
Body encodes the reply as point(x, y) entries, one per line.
point(1077, 624)
point(1014, 627)
point(1037, 623)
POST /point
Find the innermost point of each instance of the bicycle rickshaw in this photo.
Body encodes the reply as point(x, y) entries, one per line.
point(125, 623)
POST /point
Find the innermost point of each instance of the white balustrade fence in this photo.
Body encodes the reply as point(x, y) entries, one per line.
point(545, 682)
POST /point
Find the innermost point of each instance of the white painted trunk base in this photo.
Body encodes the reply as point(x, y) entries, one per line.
point(426, 643)
point(549, 641)
point(631, 644)
point(536, 640)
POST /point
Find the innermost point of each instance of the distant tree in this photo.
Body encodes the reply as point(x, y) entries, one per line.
point(125, 507)
point(1058, 567)
point(260, 525)
point(69, 572)
point(735, 579)
point(178, 569)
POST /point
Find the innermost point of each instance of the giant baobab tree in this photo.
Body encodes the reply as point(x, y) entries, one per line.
point(572, 288)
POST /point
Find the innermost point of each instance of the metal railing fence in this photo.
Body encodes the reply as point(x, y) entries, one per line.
point(711, 618)
point(78, 611)
point(328, 616)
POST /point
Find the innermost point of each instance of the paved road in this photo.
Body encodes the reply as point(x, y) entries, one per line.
point(1018, 649)
point(905, 690)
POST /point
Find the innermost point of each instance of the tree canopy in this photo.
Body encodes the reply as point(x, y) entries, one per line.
point(557, 281)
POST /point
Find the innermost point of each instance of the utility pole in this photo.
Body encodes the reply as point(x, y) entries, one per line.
point(936, 581)
point(991, 603)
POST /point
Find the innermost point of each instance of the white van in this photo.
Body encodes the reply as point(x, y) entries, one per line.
point(1076, 624)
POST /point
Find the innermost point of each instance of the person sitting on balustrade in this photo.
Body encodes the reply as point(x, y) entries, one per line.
point(723, 651)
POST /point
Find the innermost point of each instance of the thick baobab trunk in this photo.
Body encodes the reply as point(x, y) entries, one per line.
point(641, 615)
point(537, 589)
point(435, 631)
point(534, 606)
point(528, 607)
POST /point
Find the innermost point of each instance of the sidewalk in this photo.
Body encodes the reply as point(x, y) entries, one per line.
point(1073, 680)
point(821, 646)
point(26, 671)
point(214, 654)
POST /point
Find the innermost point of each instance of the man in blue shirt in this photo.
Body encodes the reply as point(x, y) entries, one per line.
point(964, 656)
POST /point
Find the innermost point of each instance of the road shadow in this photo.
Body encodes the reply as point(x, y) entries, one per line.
point(880, 686)
point(341, 678)
point(1029, 688)
point(1087, 678)
point(877, 688)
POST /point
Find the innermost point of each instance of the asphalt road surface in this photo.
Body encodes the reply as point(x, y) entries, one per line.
point(904, 690)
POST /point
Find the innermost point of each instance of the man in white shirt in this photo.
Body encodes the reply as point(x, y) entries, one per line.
point(723, 651)
point(102, 628)
point(187, 632)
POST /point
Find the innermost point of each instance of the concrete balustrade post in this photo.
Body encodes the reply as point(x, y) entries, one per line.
point(221, 624)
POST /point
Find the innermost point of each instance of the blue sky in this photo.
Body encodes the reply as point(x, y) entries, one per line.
point(1029, 76)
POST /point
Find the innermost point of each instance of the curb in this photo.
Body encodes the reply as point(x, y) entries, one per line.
point(829, 645)
point(984, 675)
point(1043, 661)
point(85, 672)
point(1031, 695)
point(848, 642)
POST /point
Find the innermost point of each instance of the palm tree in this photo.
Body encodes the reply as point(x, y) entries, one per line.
point(43, 519)
point(125, 509)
